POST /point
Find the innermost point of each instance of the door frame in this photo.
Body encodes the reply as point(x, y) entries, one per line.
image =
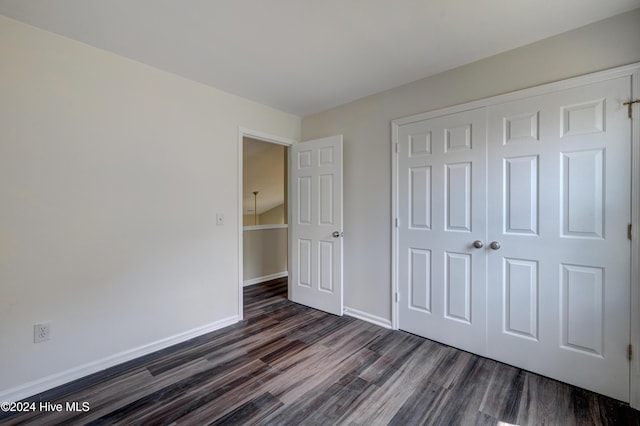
point(265, 137)
point(633, 71)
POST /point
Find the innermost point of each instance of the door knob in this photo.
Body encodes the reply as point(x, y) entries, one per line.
point(478, 244)
point(337, 234)
point(494, 245)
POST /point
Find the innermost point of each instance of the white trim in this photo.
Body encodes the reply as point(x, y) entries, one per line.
point(394, 225)
point(289, 219)
point(265, 137)
point(262, 227)
point(634, 374)
point(364, 316)
point(41, 385)
point(264, 278)
point(633, 71)
point(242, 133)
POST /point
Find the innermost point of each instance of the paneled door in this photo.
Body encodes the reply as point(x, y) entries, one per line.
point(316, 224)
point(559, 205)
point(441, 194)
point(528, 262)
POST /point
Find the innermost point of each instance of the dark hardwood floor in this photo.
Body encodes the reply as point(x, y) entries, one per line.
point(287, 364)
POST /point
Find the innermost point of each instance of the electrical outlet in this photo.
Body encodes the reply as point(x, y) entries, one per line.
point(219, 219)
point(41, 332)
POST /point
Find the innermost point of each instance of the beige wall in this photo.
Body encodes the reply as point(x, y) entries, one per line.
point(263, 170)
point(249, 220)
point(111, 175)
point(274, 216)
point(271, 217)
point(366, 125)
point(265, 252)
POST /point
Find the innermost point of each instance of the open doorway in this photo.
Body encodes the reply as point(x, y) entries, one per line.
point(264, 211)
point(264, 236)
point(264, 183)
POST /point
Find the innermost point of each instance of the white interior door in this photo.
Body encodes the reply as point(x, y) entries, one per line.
point(549, 290)
point(559, 206)
point(316, 224)
point(441, 194)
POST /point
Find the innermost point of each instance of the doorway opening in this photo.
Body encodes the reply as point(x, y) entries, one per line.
point(263, 206)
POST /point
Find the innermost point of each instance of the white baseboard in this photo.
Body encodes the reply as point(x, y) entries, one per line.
point(257, 280)
point(364, 316)
point(46, 383)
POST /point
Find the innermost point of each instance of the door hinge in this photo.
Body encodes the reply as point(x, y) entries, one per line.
point(630, 106)
point(630, 352)
point(397, 222)
point(397, 297)
point(397, 147)
point(630, 232)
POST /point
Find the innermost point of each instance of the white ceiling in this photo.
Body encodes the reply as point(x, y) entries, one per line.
point(305, 56)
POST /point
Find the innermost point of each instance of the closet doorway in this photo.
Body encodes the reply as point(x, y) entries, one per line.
point(512, 239)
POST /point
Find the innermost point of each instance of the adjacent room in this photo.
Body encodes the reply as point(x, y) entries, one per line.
point(264, 211)
point(297, 212)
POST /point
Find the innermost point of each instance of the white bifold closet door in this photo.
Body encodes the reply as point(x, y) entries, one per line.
point(559, 203)
point(442, 199)
point(549, 289)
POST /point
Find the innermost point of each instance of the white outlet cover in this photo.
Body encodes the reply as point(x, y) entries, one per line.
point(41, 332)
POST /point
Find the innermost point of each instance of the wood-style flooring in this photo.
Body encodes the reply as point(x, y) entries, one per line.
point(287, 364)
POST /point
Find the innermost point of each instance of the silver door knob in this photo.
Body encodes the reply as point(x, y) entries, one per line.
point(336, 234)
point(478, 244)
point(494, 245)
